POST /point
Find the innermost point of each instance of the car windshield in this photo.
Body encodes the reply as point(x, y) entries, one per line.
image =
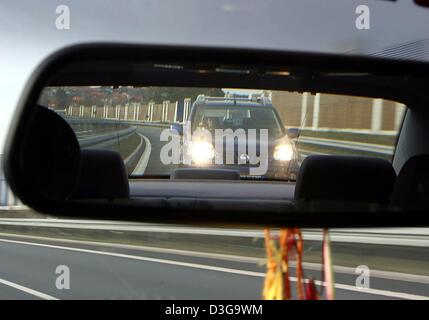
point(261, 134)
point(238, 117)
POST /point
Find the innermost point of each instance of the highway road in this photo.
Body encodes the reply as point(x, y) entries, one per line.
point(103, 271)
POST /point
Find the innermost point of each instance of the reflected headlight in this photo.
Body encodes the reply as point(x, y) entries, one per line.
point(283, 152)
point(201, 152)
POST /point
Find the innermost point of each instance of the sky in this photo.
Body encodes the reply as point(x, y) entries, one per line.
point(28, 31)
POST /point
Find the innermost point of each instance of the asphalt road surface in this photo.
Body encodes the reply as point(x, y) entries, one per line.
point(100, 271)
point(154, 166)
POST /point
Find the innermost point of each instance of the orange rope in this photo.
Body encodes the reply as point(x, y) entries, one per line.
point(269, 292)
point(277, 281)
point(299, 270)
point(283, 241)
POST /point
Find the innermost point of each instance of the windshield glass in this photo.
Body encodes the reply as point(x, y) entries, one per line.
point(261, 134)
point(237, 117)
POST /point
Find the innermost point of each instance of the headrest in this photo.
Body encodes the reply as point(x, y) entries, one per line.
point(209, 174)
point(50, 155)
point(345, 178)
point(411, 190)
point(102, 176)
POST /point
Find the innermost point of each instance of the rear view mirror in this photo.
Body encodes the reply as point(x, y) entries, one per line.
point(422, 3)
point(46, 166)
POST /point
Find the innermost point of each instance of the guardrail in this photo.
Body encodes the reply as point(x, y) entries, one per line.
point(77, 120)
point(100, 138)
point(407, 237)
point(349, 145)
point(371, 148)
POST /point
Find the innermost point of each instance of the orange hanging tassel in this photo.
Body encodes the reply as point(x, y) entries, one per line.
point(273, 286)
point(311, 291)
point(284, 249)
point(277, 281)
point(299, 269)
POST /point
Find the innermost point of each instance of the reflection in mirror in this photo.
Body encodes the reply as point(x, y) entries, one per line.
point(293, 133)
point(177, 128)
point(253, 131)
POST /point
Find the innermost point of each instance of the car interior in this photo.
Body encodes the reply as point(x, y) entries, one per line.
point(206, 158)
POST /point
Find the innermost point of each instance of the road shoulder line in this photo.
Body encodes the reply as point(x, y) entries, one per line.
point(30, 291)
point(142, 163)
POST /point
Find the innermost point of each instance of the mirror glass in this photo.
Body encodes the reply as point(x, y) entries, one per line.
point(250, 130)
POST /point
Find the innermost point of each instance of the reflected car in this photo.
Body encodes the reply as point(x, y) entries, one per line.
point(243, 134)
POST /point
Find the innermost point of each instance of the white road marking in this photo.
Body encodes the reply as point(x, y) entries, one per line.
point(137, 149)
point(33, 292)
point(142, 164)
point(219, 269)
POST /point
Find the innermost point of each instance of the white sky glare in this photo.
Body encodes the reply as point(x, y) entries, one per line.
point(28, 33)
